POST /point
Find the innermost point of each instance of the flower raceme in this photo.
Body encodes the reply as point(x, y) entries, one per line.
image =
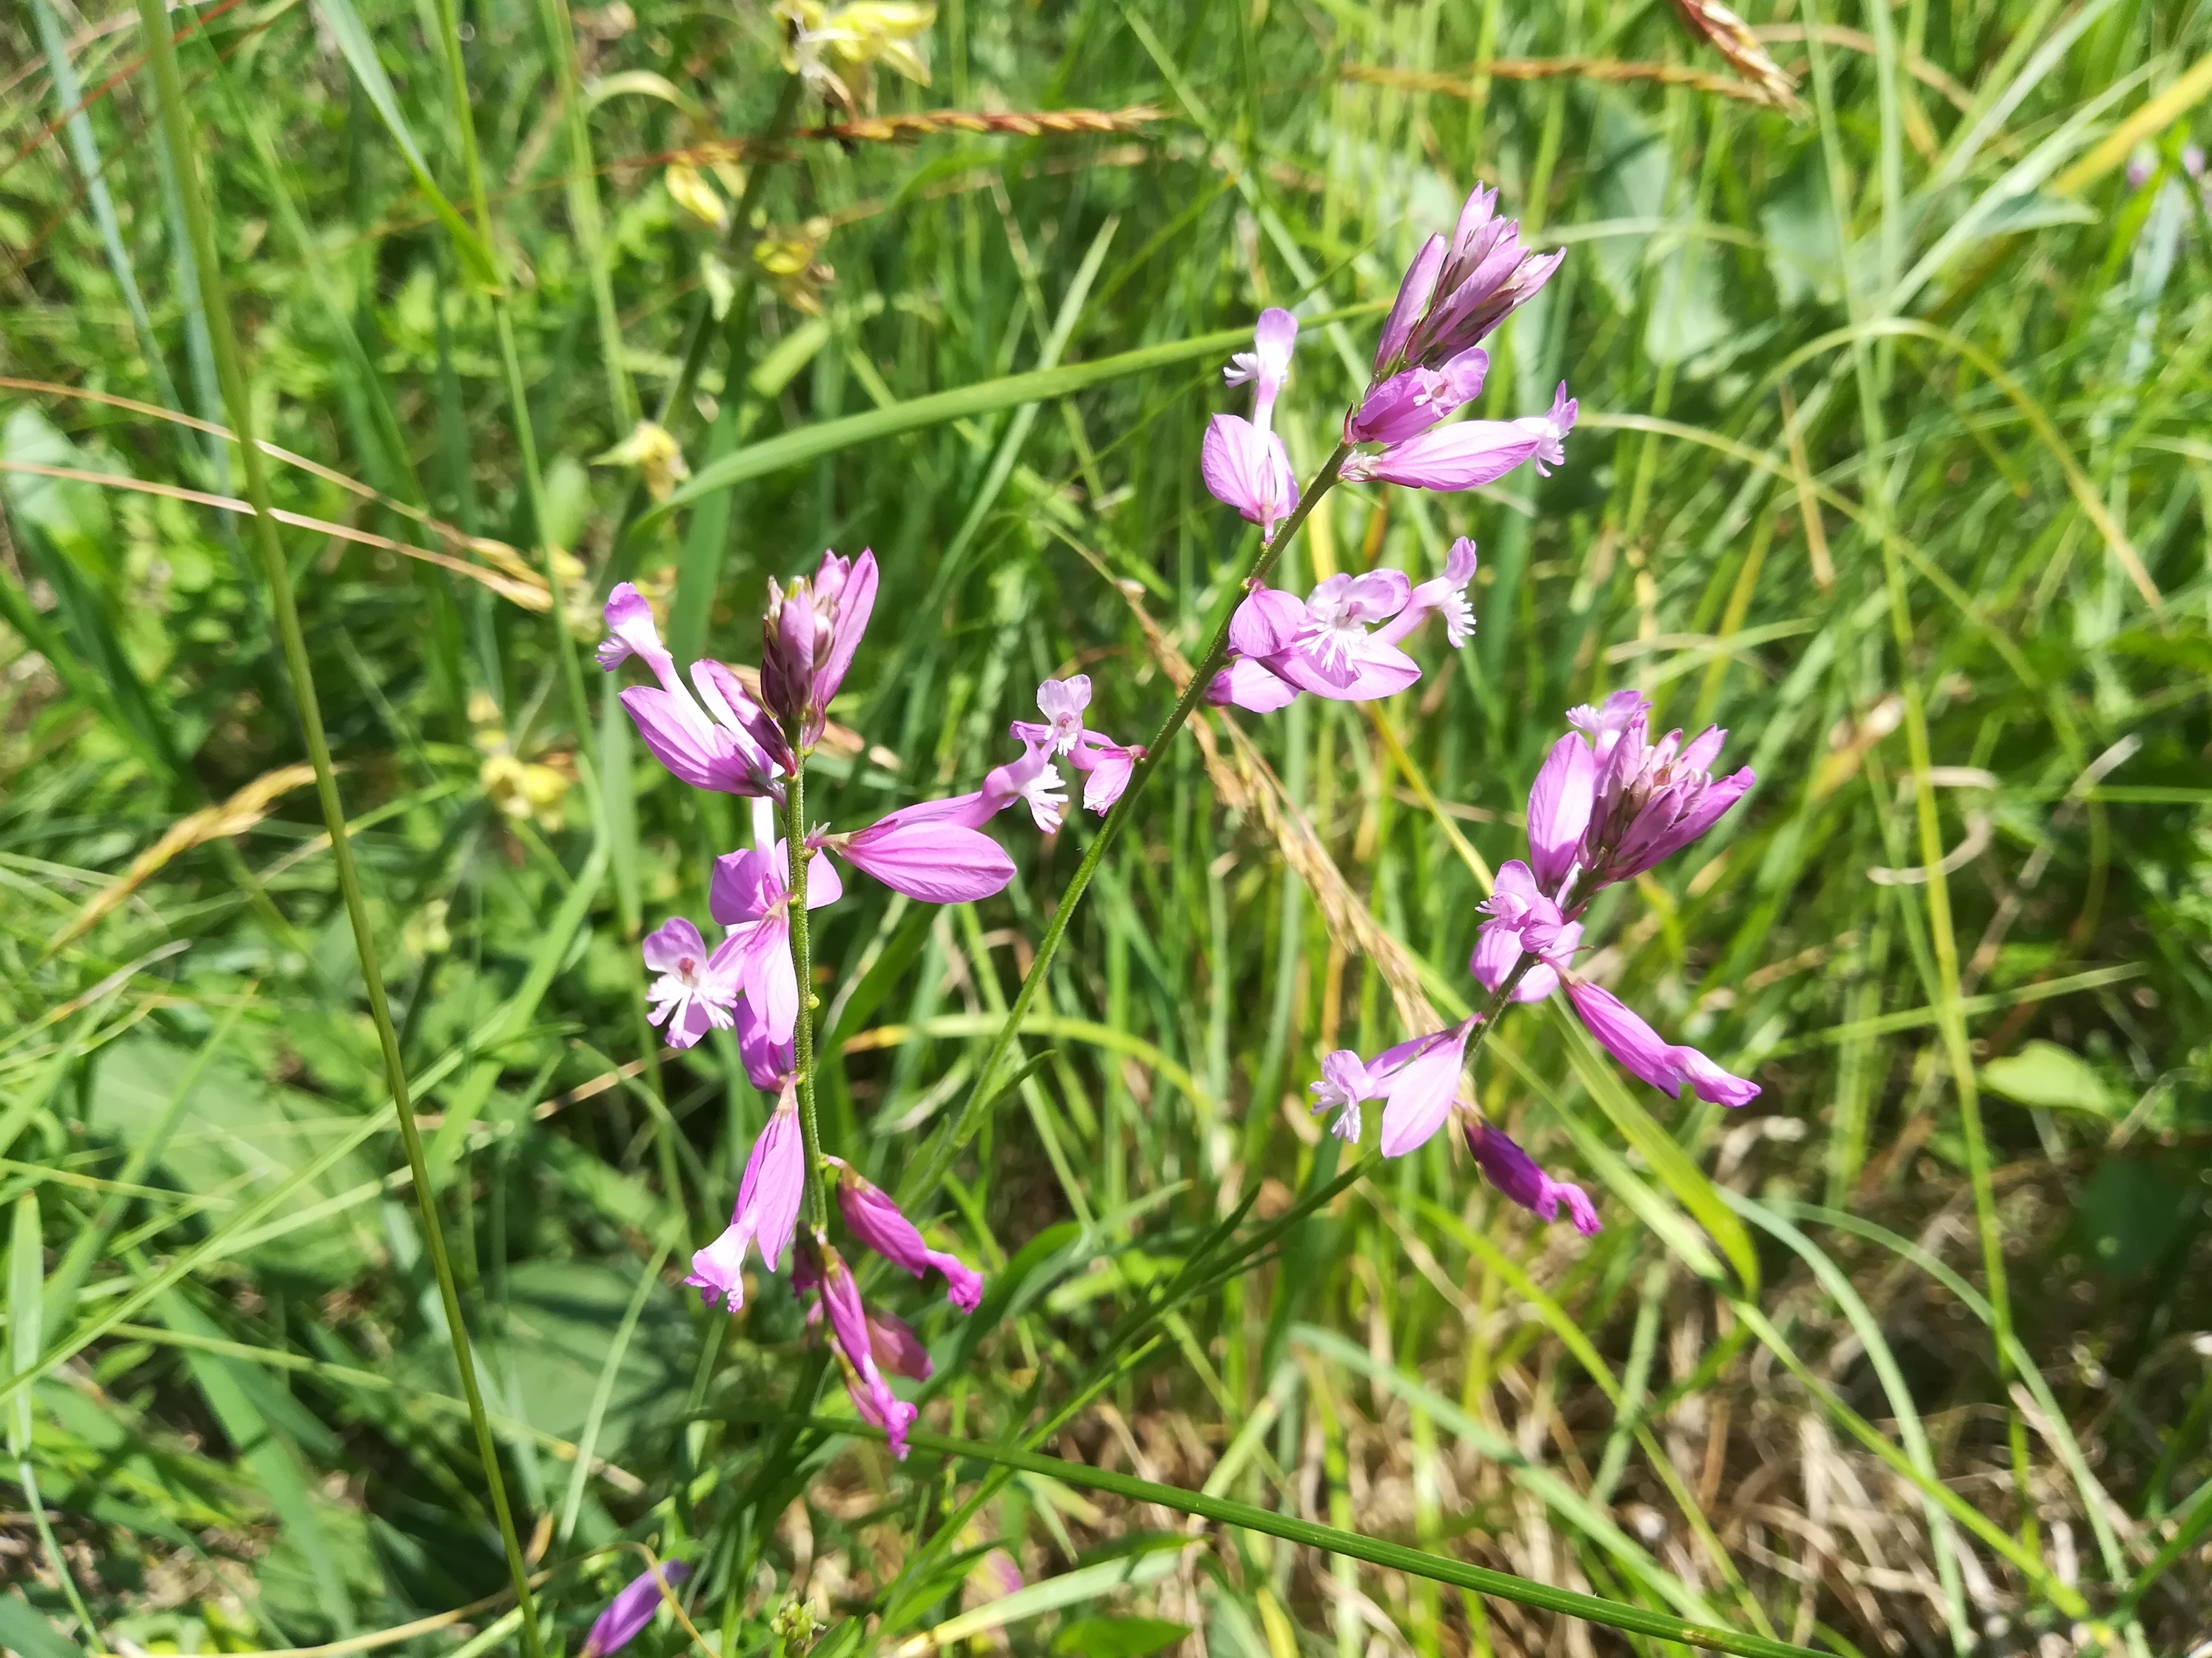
point(1342, 641)
point(1608, 805)
point(809, 634)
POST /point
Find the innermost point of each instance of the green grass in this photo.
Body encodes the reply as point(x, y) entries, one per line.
point(1891, 460)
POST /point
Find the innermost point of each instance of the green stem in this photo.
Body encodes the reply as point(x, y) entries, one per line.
point(1392, 1557)
point(230, 374)
point(930, 1173)
point(802, 963)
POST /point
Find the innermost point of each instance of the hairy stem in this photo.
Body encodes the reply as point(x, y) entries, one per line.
point(930, 1172)
point(802, 1033)
point(230, 374)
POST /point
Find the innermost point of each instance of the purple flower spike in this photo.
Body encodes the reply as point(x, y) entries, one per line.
point(1559, 810)
point(1462, 456)
point(631, 1610)
point(1644, 1055)
point(1248, 469)
point(1515, 1172)
point(851, 1339)
point(1346, 1083)
point(877, 1221)
point(767, 1212)
point(1486, 276)
point(1421, 1083)
point(809, 634)
point(696, 991)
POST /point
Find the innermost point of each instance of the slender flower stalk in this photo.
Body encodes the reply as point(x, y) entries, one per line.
point(238, 400)
point(928, 1172)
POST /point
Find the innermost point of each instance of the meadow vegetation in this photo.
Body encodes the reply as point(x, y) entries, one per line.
point(1891, 459)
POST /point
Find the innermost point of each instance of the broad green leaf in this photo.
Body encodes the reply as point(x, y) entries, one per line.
point(2044, 1074)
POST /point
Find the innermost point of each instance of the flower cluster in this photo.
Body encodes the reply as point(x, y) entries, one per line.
point(722, 732)
point(716, 733)
point(1608, 805)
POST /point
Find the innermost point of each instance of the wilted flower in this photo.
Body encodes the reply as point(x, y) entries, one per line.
point(819, 1268)
point(766, 1212)
point(657, 455)
point(1642, 1053)
point(787, 258)
point(632, 1609)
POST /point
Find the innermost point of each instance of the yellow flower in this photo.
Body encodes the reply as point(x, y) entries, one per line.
point(820, 40)
point(689, 189)
point(787, 261)
point(656, 456)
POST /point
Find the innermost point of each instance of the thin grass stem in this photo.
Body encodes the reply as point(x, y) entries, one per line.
point(237, 399)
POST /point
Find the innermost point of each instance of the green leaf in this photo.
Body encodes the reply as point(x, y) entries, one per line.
point(1118, 1638)
point(2044, 1074)
point(360, 52)
point(24, 1630)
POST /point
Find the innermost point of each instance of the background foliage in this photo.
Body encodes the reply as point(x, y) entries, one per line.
point(1892, 423)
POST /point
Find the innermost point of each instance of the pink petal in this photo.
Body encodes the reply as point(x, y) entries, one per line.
point(1559, 810)
point(940, 863)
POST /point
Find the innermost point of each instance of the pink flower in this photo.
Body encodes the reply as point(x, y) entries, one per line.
point(1420, 1081)
point(749, 896)
point(769, 1062)
point(1515, 1172)
point(808, 636)
point(1521, 918)
point(1645, 1055)
point(853, 1344)
point(1465, 455)
point(878, 1221)
point(631, 1610)
point(1445, 596)
point(927, 852)
point(1414, 399)
point(1267, 364)
point(1550, 430)
point(730, 744)
point(1652, 799)
point(1062, 702)
point(695, 991)
point(1248, 469)
point(1346, 1083)
point(1106, 763)
point(1414, 293)
point(1242, 462)
point(1334, 638)
point(767, 1212)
